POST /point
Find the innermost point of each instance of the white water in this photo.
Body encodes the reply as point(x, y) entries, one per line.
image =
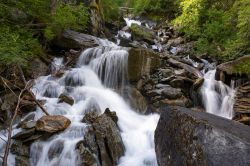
point(129, 22)
point(218, 98)
point(98, 70)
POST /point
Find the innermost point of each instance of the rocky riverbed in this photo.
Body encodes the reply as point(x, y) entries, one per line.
point(158, 75)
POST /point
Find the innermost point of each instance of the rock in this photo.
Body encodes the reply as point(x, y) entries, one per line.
point(37, 68)
point(103, 141)
point(24, 134)
point(182, 101)
point(87, 157)
point(52, 124)
point(186, 67)
point(20, 149)
point(75, 40)
point(28, 125)
point(166, 72)
point(242, 104)
point(142, 62)
point(22, 161)
point(175, 42)
point(185, 137)
point(66, 99)
point(137, 100)
point(142, 33)
point(55, 149)
point(171, 93)
point(198, 83)
point(124, 42)
point(234, 70)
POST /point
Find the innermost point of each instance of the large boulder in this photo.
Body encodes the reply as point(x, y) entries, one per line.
point(142, 62)
point(103, 143)
point(75, 40)
point(185, 137)
point(234, 70)
point(52, 124)
point(242, 104)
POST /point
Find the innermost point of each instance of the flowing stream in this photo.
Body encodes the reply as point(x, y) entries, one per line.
point(92, 83)
point(218, 98)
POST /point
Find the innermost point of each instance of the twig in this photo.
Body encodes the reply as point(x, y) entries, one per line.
point(7, 147)
point(37, 102)
point(31, 94)
point(5, 83)
point(3, 139)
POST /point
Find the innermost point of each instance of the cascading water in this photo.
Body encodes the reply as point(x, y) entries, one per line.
point(98, 70)
point(218, 98)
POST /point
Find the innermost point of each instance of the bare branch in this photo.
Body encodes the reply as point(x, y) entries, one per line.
point(5, 83)
point(7, 147)
point(3, 139)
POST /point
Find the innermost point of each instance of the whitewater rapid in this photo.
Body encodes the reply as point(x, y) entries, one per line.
point(93, 85)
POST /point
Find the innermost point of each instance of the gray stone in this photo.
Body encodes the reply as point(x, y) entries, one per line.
point(185, 137)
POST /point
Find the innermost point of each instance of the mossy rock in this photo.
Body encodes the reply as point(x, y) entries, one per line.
point(142, 33)
point(236, 69)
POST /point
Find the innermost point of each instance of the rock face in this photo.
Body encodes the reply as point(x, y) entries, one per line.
point(52, 124)
point(141, 62)
point(234, 70)
point(185, 137)
point(74, 40)
point(242, 104)
point(102, 145)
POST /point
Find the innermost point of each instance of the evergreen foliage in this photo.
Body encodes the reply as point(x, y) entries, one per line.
point(24, 22)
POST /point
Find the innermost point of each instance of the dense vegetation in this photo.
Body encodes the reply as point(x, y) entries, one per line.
point(25, 24)
point(221, 28)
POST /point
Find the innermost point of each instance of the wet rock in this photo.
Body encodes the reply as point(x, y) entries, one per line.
point(52, 124)
point(195, 72)
point(171, 93)
point(75, 40)
point(24, 134)
point(103, 139)
point(22, 161)
point(20, 149)
point(242, 104)
point(182, 102)
point(175, 42)
point(27, 106)
point(185, 137)
point(87, 157)
point(142, 33)
point(142, 62)
point(234, 70)
point(55, 149)
point(166, 72)
point(28, 125)
point(66, 99)
point(198, 83)
point(37, 68)
point(137, 100)
point(28, 118)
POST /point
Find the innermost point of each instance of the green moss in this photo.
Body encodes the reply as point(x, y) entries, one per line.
point(243, 67)
point(141, 33)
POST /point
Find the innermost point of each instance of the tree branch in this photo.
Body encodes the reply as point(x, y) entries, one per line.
point(7, 147)
point(3, 139)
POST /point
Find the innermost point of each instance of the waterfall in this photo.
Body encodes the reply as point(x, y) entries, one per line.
point(218, 98)
point(92, 83)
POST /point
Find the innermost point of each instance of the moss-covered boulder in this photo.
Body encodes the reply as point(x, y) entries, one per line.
point(141, 33)
point(142, 62)
point(238, 69)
